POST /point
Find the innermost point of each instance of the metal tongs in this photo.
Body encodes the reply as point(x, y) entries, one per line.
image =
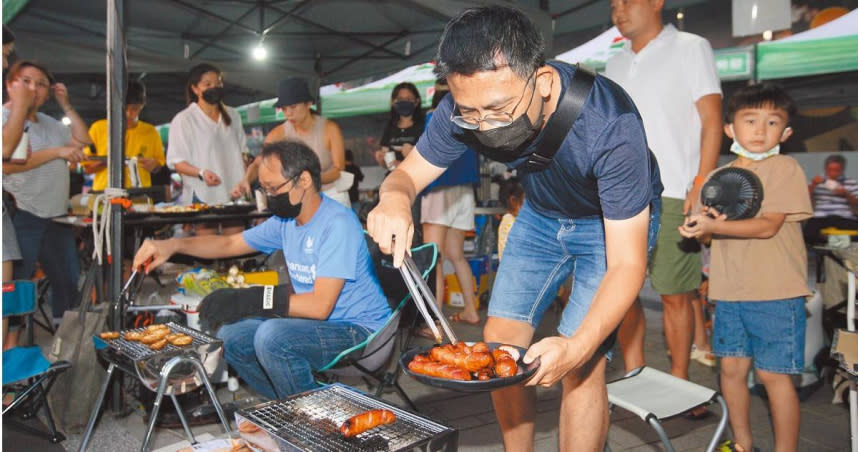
point(423, 296)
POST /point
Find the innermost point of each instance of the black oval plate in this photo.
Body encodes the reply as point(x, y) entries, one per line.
point(524, 372)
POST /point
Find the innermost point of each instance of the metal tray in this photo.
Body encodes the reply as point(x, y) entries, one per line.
point(524, 372)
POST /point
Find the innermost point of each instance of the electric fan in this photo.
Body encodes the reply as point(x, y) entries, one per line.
point(734, 192)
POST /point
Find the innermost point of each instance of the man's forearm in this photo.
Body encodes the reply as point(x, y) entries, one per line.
point(711, 132)
point(616, 293)
point(209, 246)
point(398, 183)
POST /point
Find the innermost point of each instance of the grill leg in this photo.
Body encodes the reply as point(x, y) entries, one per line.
point(162, 387)
point(182, 418)
point(213, 396)
point(92, 417)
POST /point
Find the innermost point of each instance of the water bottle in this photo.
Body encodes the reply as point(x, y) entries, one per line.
point(22, 150)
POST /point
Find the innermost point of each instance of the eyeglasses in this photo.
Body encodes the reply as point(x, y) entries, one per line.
point(273, 192)
point(493, 120)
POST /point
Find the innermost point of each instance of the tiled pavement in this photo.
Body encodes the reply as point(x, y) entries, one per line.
point(824, 427)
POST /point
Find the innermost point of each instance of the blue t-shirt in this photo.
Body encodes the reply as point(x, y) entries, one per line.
point(330, 245)
point(603, 167)
point(464, 171)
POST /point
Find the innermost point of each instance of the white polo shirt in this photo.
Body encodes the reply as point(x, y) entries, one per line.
point(199, 141)
point(665, 79)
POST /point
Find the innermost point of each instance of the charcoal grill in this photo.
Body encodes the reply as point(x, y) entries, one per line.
point(310, 421)
point(172, 370)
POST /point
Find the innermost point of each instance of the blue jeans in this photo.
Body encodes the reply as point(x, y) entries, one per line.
point(276, 357)
point(53, 246)
point(769, 332)
point(541, 253)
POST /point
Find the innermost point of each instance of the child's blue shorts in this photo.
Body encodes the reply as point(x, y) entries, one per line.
point(769, 332)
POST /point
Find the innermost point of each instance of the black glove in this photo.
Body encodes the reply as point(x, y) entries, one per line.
point(225, 306)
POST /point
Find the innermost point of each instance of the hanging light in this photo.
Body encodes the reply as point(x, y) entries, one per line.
point(260, 53)
point(767, 35)
point(680, 15)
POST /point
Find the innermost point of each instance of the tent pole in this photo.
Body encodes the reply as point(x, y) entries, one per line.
point(116, 86)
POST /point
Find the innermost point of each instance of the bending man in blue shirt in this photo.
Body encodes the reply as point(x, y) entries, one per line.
point(588, 213)
point(337, 302)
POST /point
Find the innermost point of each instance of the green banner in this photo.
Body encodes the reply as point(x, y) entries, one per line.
point(11, 8)
point(803, 58)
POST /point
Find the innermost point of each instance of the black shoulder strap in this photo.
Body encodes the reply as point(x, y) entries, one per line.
point(568, 110)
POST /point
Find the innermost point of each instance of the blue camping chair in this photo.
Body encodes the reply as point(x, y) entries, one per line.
point(370, 359)
point(26, 372)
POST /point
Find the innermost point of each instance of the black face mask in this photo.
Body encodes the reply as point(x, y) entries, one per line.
point(508, 143)
point(404, 107)
point(281, 206)
point(213, 96)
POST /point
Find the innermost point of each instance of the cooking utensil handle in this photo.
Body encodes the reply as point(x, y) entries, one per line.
point(429, 298)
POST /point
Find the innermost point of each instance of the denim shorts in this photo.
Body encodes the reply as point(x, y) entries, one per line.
point(541, 253)
point(769, 332)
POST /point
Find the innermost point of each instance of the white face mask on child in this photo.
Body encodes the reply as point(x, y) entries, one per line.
point(740, 150)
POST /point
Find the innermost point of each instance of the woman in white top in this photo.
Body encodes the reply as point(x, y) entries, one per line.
point(320, 134)
point(206, 141)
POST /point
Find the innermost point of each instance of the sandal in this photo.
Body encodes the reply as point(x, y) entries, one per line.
point(697, 414)
point(704, 357)
point(457, 318)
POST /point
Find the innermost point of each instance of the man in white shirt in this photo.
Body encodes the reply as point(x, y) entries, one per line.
point(672, 78)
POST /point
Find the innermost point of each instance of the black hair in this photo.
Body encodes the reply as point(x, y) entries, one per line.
point(759, 95)
point(16, 69)
point(419, 116)
point(136, 94)
point(295, 158)
point(194, 76)
point(836, 158)
point(510, 189)
point(489, 38)
point(350, 155)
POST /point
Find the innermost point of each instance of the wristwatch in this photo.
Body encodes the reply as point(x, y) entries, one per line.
point(200, 175)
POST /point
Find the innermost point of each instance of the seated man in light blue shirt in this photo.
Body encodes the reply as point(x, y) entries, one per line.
point(337, 302)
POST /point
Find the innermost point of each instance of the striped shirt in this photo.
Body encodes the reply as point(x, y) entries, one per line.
point(42, 191)
point(828, 204)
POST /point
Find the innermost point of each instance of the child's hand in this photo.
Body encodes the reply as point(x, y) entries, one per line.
point(701, 224)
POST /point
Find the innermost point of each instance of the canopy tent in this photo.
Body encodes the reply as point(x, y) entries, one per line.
point(733, 63)
point(363, 100)
point(829, 48)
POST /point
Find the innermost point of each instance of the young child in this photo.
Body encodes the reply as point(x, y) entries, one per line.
point(758, 268)
point(511, 194)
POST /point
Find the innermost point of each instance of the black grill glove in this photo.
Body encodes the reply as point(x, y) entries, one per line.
point(226, 306)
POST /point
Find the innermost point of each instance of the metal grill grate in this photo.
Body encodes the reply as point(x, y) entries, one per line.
point(137, 351)
point(311, 420)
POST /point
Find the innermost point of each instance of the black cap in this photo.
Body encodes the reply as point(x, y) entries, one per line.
point(292, 91)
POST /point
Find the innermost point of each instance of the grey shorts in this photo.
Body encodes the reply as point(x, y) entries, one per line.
point(11, 252)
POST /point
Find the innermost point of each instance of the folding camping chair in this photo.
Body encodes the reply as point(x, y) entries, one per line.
point(370, 358)
point(26, 372)
point(655, 396)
